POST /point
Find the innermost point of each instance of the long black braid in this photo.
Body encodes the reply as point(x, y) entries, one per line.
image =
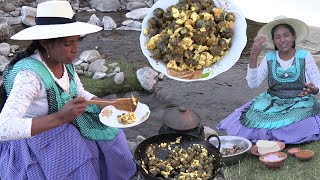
point(35, 45)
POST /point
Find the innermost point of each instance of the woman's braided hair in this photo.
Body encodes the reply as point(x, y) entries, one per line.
point(35, 45)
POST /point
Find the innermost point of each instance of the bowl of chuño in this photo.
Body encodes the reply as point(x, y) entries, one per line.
point(191, 40)
point(233, 148)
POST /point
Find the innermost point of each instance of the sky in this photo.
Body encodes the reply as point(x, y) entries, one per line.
point(266, 10)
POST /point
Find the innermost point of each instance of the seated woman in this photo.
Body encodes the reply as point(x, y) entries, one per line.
point(46, 129)
point(288, 111)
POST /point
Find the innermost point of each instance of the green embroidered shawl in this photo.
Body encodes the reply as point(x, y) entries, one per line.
point(88, 123)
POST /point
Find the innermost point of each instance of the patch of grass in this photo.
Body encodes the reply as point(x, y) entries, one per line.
point(293, 169)
point(106, 86)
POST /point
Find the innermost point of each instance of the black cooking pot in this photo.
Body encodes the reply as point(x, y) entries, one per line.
point(185, 142)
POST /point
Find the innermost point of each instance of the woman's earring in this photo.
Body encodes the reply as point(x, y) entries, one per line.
point(48, 55)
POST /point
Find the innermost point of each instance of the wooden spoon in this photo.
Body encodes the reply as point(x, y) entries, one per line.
point(126, 104)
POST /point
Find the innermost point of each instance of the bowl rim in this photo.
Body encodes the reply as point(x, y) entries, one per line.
point(235, 137)
point(261, 158)
point(294, 149)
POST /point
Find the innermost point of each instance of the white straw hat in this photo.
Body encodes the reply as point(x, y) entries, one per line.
point(301, 29)
point(55, 19)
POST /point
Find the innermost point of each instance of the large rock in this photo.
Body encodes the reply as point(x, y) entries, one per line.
point(135, 5)
point(90, 56)
point(138, 13)
point(146, 77)
point(99, 75)
point(95, 20)
point(9, 7)
point(131, 25)
point(4, 28)
point(28, 15)
point(108, 23)
point(98, 66)
point(14, 20)
point(105, 5)
point(4, 49)
point(119, 78)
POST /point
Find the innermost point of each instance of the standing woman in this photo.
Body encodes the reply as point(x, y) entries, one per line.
point(288, 111)
point(46, 129)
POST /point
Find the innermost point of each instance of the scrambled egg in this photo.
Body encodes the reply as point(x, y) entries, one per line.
point(127, 118)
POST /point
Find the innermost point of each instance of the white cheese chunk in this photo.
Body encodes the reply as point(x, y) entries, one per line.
point(265, 146)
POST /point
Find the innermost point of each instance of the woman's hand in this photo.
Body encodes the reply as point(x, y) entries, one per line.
point(259, 43)
point(72, 109)
point(309, 89)
point(69, 112)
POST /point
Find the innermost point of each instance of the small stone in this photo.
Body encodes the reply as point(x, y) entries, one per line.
point(119, 78)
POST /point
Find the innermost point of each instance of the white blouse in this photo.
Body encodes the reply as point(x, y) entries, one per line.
point(257, 75)
point(28, 99)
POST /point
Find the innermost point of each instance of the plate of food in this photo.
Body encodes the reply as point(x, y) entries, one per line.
point(113, 117)
point(193, 41)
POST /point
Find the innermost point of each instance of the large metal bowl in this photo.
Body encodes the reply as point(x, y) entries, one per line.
point(229, 141)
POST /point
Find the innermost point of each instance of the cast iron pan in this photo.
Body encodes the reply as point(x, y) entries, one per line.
point(185, 142)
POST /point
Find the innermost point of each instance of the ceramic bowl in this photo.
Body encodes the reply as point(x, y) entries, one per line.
point(273, 160)
point(293, 151)
point(304, 155)
point(230, 141)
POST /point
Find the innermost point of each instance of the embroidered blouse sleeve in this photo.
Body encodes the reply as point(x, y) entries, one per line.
point(312, 71)
point(13, 123)
point(80, 90)
point(257, 75)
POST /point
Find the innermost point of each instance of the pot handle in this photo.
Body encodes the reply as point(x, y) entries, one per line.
point(213, 135)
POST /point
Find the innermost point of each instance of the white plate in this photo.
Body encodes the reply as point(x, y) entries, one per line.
point(239, 41)
point(142, 113)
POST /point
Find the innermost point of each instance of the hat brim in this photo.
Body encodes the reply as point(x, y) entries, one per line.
point(55, 31)
point(301, 29)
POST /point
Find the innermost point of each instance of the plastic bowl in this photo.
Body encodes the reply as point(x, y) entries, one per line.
point(273, 160)
point(304, 155)
point(230, 141)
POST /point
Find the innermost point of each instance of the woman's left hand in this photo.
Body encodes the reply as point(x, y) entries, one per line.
point(309, 89)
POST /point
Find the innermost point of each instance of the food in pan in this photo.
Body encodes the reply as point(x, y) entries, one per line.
point(193, 162)
point(189, 35)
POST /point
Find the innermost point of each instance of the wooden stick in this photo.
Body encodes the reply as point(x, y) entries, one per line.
point(98, 102)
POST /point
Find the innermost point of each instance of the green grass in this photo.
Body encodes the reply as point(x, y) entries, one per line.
point(106, 86)
point(293, 169)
